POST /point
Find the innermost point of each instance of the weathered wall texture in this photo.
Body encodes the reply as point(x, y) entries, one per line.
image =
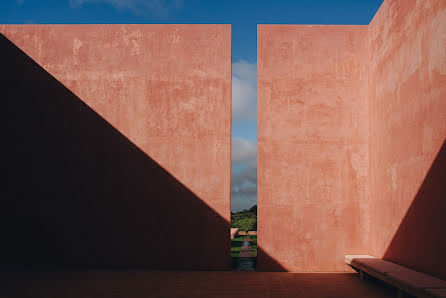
point(407, 41)
point(313, 129)
point(126, 179)
point(329, 95)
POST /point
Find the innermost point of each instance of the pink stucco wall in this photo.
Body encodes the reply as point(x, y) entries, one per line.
point(407, 42)
point(164, 88)
point(352, 130)
point(117, 143)
point(313, 129)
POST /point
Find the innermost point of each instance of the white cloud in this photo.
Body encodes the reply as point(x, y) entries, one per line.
point(159, 8)
point(244, 91)
point(244, 189)
point(244, 181)
point(245, 70)
point(243, 152)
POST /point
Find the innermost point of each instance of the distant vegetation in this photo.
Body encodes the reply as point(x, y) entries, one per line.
point(245, 220)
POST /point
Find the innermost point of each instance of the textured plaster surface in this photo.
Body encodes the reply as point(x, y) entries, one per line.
point(407, 42)
point(313, 130)
point(166, 88)
point(327, 96)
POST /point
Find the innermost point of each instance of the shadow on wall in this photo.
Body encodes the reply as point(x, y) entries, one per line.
point(267, 263)
point(420, 241)
point(78, 193)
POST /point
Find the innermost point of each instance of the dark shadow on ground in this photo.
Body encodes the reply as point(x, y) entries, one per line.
point(141, 283)
point(77, 192)
point(420, 241)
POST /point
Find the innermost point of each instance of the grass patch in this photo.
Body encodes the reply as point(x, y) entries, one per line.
point(235, 254)
point(237, 243)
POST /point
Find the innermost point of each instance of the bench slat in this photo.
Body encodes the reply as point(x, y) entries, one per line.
point(416, 279)
point(408, 280)
point(350, 258)
point(380, 265)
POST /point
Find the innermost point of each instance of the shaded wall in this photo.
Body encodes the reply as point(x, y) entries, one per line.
point(313, 130)
point(407, 41)
point(116, 145)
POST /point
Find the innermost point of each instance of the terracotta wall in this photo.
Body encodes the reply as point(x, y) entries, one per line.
point(407, 41)
point(329, 95)
point(117, 145)
point(313, 130)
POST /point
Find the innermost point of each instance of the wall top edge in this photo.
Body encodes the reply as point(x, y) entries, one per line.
point(173, 25)
point(307, 25)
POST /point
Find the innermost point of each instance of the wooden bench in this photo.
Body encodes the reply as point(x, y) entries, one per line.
point(404, 279)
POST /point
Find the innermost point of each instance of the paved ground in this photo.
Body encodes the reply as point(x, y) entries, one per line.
point(140, 283)
point(246, 248)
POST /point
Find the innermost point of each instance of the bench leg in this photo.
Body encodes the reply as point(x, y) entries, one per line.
point(361, 274)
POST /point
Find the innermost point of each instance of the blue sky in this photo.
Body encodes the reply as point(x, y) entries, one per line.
point(244, 15)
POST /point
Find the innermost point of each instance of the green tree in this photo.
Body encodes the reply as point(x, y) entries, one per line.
point(245, 220)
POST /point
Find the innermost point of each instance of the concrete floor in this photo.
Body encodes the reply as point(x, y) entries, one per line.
point(140, 283)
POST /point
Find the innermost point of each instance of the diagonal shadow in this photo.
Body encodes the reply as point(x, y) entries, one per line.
point(420, 242)
point(77, 192)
